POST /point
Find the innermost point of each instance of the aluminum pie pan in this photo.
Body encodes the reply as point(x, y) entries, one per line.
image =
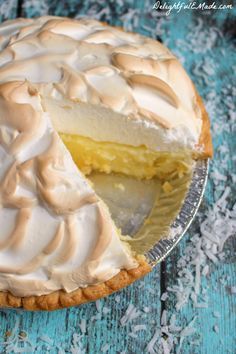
point(185, 216)
point(130, 208)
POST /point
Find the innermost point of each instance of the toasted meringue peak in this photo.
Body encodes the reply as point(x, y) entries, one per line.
point(94, 63)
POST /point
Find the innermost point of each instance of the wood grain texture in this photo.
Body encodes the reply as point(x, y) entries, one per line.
point(61, 325)
point(217, 322)
point(205, 43)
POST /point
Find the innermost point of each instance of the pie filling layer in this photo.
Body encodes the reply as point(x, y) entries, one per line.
point(136, 161)
point(169, 173)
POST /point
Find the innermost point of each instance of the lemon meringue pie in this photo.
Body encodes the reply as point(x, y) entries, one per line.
point(78, 96)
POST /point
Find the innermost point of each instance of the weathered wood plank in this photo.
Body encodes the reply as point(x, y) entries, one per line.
point(62, 326)
point(205, 41)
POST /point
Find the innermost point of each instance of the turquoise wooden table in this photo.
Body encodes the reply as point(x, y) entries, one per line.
point(188, 303)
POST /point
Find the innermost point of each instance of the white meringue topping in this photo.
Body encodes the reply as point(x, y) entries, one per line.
point(121, 87)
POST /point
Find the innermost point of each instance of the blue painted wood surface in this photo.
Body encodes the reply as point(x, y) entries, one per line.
point(204, 41)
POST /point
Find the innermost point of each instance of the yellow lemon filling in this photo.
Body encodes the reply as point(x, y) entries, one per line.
point(139, 162)
point(173, 172)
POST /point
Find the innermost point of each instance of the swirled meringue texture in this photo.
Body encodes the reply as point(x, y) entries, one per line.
point(123, 81)
point(55, 232)
point(85, 78)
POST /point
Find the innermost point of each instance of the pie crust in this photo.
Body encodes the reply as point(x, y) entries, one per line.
point(205, 137)
point(60, 299)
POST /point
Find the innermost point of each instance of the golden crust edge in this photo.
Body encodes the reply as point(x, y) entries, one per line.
point(205, 139)
point(60, 299)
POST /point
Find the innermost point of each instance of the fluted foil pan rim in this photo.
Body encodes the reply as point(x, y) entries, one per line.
point(185, 217)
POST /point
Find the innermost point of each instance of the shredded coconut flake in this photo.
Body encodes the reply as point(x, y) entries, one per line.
point(98, 305)
point(150, 347)
point(216, 329)
point(233, 290)
point(130, 314)
point(105, 348)
point(82, 325)
point(164, 297)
